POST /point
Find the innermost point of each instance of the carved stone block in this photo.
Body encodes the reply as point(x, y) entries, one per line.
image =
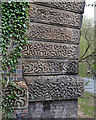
point(51, 50)
point(53, 16)
point(49, 67)
point(54, 87)
point(53, 109)
point(53, 33)
point(21, 103)
point(22, 100)
point(21, 89)
point(77, 6)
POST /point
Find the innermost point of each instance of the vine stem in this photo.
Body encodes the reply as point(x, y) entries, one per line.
point(7, 83)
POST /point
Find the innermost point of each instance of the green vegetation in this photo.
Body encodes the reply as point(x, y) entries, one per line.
point(83, 67)
point(84, 45)
point(15, 23)
point(86, 105)
point(87, 51)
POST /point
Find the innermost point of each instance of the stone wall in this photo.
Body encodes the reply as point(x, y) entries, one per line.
point(50, 59)
point(50, 62)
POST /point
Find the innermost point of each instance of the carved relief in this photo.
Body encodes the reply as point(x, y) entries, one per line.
point(51, 50)
point(22, 93)
point(77, 6)
point(46, 67)
point(22, 100)
point(54, 87)
point(53, 16)
point(53, 33)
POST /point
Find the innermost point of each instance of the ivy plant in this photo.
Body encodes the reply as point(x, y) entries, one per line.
point(15, 23)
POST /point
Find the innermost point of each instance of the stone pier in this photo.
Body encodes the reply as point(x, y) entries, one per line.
point(50, 59)
point(51, 82)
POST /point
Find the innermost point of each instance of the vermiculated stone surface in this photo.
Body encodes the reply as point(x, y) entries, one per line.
point(50, 59)
point(21, 103)
point(49, 67)
point(50, 50)
point(53, 16)
point(77, 6)
point(42, 88)
point(53, 33)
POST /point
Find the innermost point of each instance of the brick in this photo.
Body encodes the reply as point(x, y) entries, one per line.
point(19, 67)
point(14, 71)
point(53, 16)
point(10, 78)
point(19, 71)
point(17, 75)
point(19, 78)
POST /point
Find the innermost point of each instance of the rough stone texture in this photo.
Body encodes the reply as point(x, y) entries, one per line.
point(49, 67)
point(50, 50)
point(22, 100)
point(53, 109)
point(77, 6)
point(59, 23)
point(54, 16)
point(53, 33)
point(21, 104)
point(23, 95)
point(42, 88)
point(50, 60)
point(20, 113)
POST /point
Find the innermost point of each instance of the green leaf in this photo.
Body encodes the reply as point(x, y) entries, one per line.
point(23, 9)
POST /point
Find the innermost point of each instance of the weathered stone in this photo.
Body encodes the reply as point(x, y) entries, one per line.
point(54, 16)
point(22, 100)
point(50, 50)
point(54, 109)
point(21, 103)
point(49, 67)
point(42, 88)
point(53, 33)
point(77, 6)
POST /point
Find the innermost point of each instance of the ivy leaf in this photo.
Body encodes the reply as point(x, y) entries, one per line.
point(24, 25)
point(10, 35)
point(14, 19)
point(23, 9)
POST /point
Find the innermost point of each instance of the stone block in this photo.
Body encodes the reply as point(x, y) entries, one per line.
point(53, 33)
point(22, 100)
point(50, 50)
point(22, 92)
point(21, 103)
point(71, 5)
point(49, 67)
point(53, 109)
point(45, 88)
point(53, 16)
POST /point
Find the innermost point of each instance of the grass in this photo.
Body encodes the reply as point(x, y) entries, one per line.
point(86, 106)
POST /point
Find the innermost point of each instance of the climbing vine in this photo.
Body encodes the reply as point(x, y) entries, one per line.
point(15, 23)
